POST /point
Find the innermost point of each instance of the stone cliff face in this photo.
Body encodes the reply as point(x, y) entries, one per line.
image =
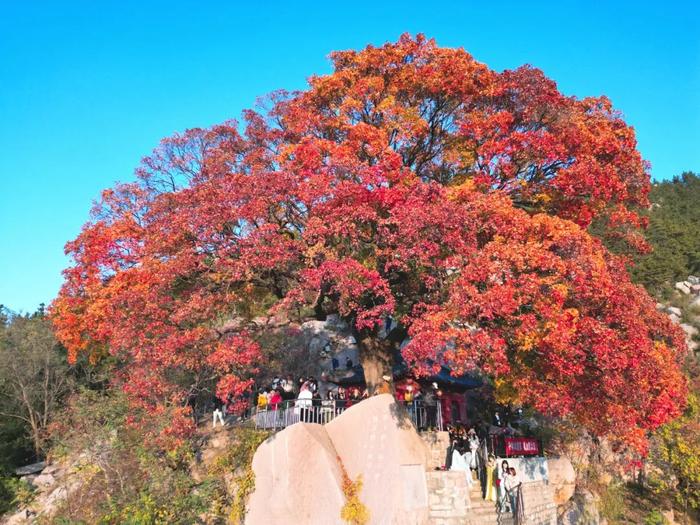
point(52, 485)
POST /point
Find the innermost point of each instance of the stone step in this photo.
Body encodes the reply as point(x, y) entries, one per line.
point(482, 502)
point(484, 510)
point(493, 520)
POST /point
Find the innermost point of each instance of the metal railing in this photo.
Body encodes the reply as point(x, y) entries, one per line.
point(512, 505)
point(286, 413)
point(424, 417)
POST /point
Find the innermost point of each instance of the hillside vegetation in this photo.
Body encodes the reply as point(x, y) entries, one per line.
point(673, 233)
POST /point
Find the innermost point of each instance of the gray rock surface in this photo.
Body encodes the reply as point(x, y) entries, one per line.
point(582, 509)
point(562, 479)
point(44, 480)
point(674, 310)
point(683, 287)
point(298, 471)
point(690, 333)
point(297, 479)
point(34, 468)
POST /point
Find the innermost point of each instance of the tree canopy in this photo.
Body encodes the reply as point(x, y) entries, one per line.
point(411, 182)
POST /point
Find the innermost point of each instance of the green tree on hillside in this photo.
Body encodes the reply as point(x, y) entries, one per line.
point(673, 233)
point(34, 374)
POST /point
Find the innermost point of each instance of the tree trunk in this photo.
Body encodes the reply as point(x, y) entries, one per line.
point(35, 431)
point(376, 358)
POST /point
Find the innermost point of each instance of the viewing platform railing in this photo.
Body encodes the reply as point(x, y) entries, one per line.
point(286, 413)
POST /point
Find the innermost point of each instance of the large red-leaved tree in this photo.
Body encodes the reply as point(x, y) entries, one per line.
point(411, 182)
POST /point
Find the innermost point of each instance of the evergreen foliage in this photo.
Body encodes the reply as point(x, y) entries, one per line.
point(673, 233)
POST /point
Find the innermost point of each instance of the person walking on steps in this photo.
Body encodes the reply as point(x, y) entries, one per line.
point(218, 412)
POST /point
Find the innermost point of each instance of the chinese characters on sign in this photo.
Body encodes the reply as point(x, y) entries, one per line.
point(518, 446)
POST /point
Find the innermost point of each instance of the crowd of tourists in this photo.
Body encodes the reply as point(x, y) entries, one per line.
point(281, 390)
point(310, 397)
point(285, 401)
point(307, 399)
point(500, 484)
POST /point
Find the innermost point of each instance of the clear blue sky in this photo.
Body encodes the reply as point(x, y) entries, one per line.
point(88, 88)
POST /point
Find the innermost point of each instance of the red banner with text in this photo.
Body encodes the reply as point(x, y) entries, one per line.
point(517, 446)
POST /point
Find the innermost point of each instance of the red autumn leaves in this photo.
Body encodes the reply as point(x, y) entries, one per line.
point(413, 182)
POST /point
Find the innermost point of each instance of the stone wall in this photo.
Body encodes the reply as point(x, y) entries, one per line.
point(448, 498)
point(437, 442)
point(540, 508)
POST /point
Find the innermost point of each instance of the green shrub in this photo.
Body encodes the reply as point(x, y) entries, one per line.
point(612, 502)
point(14, 493)
point(127, 479)
point(655, 518)
point(238, 459)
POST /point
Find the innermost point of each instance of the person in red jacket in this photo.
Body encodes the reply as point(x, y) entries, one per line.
point(275, 400)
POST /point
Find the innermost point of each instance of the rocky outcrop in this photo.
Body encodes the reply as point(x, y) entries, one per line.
point(52, 484)
point(325, 340)
point(297, 479)
point(562, 479)
point(581, 509)
point(299, 473)
point(688, 296)
point(298, 470)
point(376, 440)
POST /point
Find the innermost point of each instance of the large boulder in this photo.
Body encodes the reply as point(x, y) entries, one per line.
point(324, 340)
point(297, 479)
point(562, 479)
point(683, 287)
point(376, 440)
point(582, 509)
point(675, 311)
point(298, 471)
point(690, 333)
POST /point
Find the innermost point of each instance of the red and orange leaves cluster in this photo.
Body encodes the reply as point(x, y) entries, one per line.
point(414, 182)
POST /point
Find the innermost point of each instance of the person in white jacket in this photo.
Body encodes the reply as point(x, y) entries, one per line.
point(503, 473)
point(473, 447)
point(460, 462)
point(303, 403)
point(512, 482)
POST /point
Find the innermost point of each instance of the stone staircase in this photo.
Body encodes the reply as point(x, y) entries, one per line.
point(483, 512)
point(452, 502)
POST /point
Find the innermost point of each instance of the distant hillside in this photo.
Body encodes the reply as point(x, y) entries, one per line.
point(674, 234)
